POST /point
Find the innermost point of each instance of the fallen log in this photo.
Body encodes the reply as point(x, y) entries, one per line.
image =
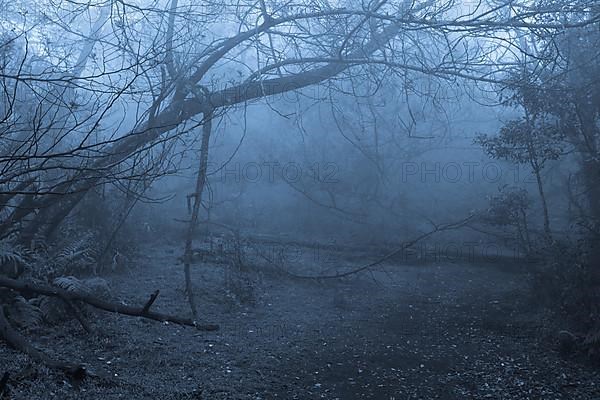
point(18, 341)
point(150, 301)
point(366, 267)
point(144, 311)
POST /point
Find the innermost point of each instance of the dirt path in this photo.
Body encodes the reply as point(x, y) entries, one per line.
point(416, 332)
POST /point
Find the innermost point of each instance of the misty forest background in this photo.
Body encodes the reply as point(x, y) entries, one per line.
point(413, 130)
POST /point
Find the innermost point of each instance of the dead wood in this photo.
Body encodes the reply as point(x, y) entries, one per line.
point(73, 309)
point(46, 290)
point(193, 223)
point(19, 342)
point(407, 245)
point(150, 301)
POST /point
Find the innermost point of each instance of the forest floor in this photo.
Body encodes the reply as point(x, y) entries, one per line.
point(439, 330)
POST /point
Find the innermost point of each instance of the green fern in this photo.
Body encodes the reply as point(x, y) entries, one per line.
point(93, 286)
point(25, 313)
point(53, 309)
point(80, 252)
point(70, 284)
point(69, 256)
point(13, 256)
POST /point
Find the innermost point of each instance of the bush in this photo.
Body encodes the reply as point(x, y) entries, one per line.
point(567, 285)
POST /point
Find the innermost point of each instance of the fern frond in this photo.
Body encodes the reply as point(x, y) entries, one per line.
point(93, 286)
point(98, 287)
point(25, 313)
point(13, 255)
point(592, 339)
point(70, 284)
point(74, 255)
point(53, 310)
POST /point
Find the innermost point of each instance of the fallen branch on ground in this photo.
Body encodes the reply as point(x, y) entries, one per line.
point(144, 312)
point(78, 316)
point(407, 245)
point(150, 301)
point(18, 341)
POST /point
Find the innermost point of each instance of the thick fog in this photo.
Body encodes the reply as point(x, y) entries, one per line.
point(299, 200)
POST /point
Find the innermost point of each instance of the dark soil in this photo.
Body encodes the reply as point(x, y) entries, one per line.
point(438, 331)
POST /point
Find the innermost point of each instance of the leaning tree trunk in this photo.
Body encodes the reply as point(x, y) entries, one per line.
point(53, 210)
point(197, 195)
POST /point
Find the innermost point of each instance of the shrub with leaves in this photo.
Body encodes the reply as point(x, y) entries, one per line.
point(509, 209)
point(13, 258)
point(532, 141)
point(525, 142)
point(564, 284)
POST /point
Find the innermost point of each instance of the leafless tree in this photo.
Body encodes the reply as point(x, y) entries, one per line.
point(192, 60)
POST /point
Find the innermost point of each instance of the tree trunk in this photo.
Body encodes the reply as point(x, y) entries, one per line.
point(540, 185)
point(180, 110)
point(200, 182)
point(591, 178)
